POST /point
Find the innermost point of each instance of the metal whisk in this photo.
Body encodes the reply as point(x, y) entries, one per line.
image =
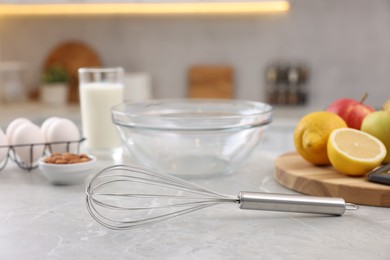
point(123, 197)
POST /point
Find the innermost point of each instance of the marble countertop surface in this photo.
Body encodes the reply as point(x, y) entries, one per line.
point(42, 221)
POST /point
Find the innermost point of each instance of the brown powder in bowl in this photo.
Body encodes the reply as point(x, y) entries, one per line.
point(66, 158)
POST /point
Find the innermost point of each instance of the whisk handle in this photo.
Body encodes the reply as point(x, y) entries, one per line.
point(293, 203)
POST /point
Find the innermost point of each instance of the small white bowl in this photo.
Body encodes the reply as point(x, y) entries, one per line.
point(67, 174)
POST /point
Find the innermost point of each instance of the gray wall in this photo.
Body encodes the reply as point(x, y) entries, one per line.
point(345, 42)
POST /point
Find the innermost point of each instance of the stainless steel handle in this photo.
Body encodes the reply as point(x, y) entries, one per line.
point(293, 203)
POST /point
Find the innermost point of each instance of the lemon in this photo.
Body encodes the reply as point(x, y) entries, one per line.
point(354, 152)
point(311, 135)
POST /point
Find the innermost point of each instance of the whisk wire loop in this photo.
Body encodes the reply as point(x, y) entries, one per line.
point(159, 178)
point(178, 187)
point(127, 224)
point(117, 209)
point(98, 202)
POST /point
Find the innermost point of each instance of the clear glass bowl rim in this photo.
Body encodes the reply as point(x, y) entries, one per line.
point(122, 115)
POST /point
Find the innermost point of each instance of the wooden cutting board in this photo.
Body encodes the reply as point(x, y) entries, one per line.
point(293, 172)
point(210, 82)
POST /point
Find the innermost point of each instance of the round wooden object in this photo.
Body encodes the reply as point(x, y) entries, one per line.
point(71, 56)
point(293, 172)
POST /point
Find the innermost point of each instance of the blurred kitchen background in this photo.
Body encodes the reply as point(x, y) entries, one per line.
point(342, 47)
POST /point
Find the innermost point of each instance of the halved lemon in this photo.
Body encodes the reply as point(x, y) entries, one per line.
point(354, 152)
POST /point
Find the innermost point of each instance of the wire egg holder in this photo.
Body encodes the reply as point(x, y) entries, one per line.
point(31, 164)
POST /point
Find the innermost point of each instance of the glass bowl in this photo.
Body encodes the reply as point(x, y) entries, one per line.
point(191, 137)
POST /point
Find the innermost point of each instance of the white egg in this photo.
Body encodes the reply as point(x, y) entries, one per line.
point(14, 125)
point(4, 145)
point(31, 137)
point(46, 124)
point(63, 130)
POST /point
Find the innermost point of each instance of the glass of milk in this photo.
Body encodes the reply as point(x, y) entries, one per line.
point(100, 89)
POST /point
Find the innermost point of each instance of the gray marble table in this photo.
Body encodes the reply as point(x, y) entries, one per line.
point(42, 221)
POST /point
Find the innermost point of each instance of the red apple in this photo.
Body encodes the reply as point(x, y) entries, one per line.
point(352, 111)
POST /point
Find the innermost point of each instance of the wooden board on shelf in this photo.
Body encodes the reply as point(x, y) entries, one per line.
point(72, 55)
point(293, 172)
point(210, 82)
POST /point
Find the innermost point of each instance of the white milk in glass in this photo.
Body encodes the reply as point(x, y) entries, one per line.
point(97, 99)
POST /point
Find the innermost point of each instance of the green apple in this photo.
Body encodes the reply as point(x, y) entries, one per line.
point(378, 124)
point(386, 106)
